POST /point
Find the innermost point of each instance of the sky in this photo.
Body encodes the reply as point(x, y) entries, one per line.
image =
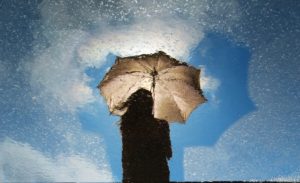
point(55, 126)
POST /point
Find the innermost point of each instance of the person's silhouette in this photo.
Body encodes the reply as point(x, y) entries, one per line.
point(146, 141)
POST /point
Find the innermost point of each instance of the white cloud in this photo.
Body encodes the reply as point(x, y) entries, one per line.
point(294, 177)
point(260, 146)
point(209, 85)
point(54, 71)
point(19, 162)
point(197, 157)
point(142, 37)
point(207, 82)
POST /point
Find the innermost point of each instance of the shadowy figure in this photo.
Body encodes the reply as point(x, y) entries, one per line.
point(146, 141)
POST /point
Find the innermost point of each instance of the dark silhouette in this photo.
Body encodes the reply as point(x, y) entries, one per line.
point(146, 141)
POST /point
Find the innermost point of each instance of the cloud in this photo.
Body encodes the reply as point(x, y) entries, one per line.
point(294, 177)
point(208, 83)
point(260, 146)
point(54, 71)
point(167, 35)
point(19, 162)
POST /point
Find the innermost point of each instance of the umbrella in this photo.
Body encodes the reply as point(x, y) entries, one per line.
point(174, 85)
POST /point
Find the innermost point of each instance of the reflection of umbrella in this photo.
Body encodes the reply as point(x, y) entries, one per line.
point(174, 85)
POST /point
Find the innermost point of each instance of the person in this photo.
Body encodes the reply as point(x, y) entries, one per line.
point(146, 141)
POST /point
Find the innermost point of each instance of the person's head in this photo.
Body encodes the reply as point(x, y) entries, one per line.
point(140, 102)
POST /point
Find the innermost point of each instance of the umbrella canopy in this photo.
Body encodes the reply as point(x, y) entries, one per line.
point(174, 85)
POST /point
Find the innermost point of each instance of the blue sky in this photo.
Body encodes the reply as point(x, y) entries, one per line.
point(56, 127)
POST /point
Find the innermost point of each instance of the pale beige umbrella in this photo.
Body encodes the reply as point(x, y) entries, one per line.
point(174, 85)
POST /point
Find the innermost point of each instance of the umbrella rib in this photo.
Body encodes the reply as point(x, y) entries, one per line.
point(157, 64)
point(166, 70)
point(152, 89)
point(154, 80)
point(132, 73)
point(177, 79)
point(136, 73)
point(145, 67)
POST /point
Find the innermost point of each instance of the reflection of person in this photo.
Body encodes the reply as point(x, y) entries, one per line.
point(146, 141)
